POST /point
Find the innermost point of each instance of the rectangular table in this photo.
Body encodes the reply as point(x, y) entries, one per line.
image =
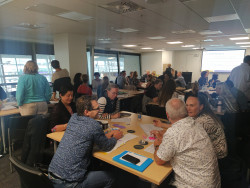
point(154, 173)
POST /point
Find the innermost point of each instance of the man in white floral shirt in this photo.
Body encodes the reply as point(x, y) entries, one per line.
point(189, 150)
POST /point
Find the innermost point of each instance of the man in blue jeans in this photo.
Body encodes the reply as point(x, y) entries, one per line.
point(69, 166)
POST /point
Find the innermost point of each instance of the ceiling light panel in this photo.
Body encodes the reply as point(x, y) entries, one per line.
point(242, 43)
point(147, 48)
point(156, 37)
point(239, 38)
point(245, 46)
point(129, 45)
point(75, 16)
point(222, 18)
point(46, 9)
point(208, 40)
point(209, 32)
point(184, 32)
point(175, 42)
point(126, 30)
point(187, 46)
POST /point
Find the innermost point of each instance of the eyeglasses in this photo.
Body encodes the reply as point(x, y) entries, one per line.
point(98, 108)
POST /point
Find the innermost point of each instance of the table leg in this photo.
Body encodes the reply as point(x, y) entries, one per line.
point(153, 185)
point(55, 146)
point(3, 134)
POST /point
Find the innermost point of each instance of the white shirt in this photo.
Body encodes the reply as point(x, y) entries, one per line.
point(191, 154)
point(59, 74)
point(240, 76)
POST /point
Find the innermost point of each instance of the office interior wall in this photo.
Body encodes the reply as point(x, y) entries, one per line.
point(131, 63)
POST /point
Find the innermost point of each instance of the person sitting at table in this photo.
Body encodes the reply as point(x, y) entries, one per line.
point(121, 80)
point(135, 81)
point(77, 82)
point(33, 91)
point(96, 82)
point(61, 75)
point(70, 164)
point(63, 110)
point(203, 79)
point(198, 107)
point(151, 95)
point(180, 81)
point(229, 102)
point(188, 148)
point(101, 91)
point(167, 92)
point(129, 78)
point(149, 81)
point(109, 105)
point(84, 89)
point(212, 82)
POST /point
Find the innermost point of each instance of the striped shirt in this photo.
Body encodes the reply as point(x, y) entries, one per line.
point(108, 107)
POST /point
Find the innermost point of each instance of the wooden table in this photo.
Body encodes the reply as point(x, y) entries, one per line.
point(154, 173)
point(2, 114)
point(129, 93)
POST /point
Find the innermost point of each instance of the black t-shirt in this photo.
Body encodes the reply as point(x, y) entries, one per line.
point(152, 92)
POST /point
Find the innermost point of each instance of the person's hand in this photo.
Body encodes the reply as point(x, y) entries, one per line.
point(54, 99)
point(157, 123)
point(157, 134)
point(157, 142)
point(116, 134)
point(114, 116)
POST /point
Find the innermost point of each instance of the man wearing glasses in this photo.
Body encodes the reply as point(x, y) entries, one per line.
point(69, 166)
point(109, 104)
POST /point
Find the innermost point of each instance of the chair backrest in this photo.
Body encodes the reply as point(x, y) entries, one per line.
point(30, 177)
point(156, 111)
point(60, 82)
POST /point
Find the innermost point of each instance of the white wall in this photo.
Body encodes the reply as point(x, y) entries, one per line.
point(153, 61)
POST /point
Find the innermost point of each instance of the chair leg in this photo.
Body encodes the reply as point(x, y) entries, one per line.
point(10, 150)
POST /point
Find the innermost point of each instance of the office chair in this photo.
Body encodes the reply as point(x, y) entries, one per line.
point(30, 177)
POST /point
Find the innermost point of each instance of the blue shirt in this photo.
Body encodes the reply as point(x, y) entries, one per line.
point(73, 155)
point(32, 88)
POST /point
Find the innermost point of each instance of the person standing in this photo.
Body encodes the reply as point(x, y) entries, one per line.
point(240, 76)
point(33, 91)
point(180, 81)
point(121, 80)
point(96, 82)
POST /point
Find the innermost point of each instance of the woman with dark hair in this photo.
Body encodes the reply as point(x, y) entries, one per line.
point(101, 90)
point(150, 81)
point(84, 89)
point(214, 80)
point(77, 82)
point(96, 82)
point(63, 110)
point(135, 81)
point(199, 108)
point(167, 92)
point(203, 79)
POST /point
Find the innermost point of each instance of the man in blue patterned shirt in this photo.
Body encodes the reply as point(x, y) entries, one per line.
point(69, 166)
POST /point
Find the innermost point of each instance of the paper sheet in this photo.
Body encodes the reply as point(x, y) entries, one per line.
point(123, 140)
point(150, 149)
point(122, 120)
point(149, 127)
point(142, 158)
point(8, 108)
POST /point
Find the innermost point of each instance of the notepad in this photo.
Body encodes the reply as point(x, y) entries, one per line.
point(141, 166)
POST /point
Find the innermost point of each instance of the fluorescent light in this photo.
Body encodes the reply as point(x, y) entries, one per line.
point(126, 30)
point(197, 48)
point(76, 16)
point(208, 40)
point(156, 37)
point(245, 46)
point(242, 43)
point(239, 38)
point(214, 45)
point(175, 42)
point(160, 50)
point(209, 32)
point(189, 31)
point(104, 39)
point(110, 58)
point(105, 42)
point(96, 57)
point(129, 45)
point(147, 48)
point(187, 46)
point(222, 18)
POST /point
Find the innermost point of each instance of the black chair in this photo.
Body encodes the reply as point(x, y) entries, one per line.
point(156, 111)
point(30, 177)
point(16, 132)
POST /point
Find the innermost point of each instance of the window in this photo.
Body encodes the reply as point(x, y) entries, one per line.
point(43, 62)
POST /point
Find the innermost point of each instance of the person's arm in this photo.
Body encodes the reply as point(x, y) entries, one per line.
point(157, 144)
point(59, 128)
point(158, 123)
point(155, 99)
point(20, 92)
point(102, 104)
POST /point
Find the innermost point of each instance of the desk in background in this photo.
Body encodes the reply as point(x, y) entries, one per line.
point(154, 173)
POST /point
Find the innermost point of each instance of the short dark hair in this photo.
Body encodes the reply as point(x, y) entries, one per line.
point(85, 78)
point(65, 88)
point(246, 59)
point(55, 64)
point(84, 103)
point(203, 73)
point(97, 74)
point(110, 86)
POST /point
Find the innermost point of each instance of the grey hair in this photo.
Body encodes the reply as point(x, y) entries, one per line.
point(110, 86)
point(30, 67)
point(176, 109)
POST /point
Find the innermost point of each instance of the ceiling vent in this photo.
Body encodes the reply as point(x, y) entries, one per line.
point(122, 7)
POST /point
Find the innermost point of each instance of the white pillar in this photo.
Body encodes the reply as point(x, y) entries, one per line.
point(70, 51)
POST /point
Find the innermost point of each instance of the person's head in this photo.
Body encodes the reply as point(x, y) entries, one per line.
point(167, 91)
point(66, 93)
point(85, 78)
point(158, 84)
point(87, 106)
point(131, 74)
point(135, 74)
point(176, 110)
point(77, 78)
point(149, 77)
point(215, 76)
point(55, 64)
point(97, 75)
point(167, 75)
point(153, 73)
point(123, 73)
point(112, 91)
point(179, 74)
point(147, 72)
point(30, 68)
point(203, 74)
point(169, 65)
point(247, 59)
